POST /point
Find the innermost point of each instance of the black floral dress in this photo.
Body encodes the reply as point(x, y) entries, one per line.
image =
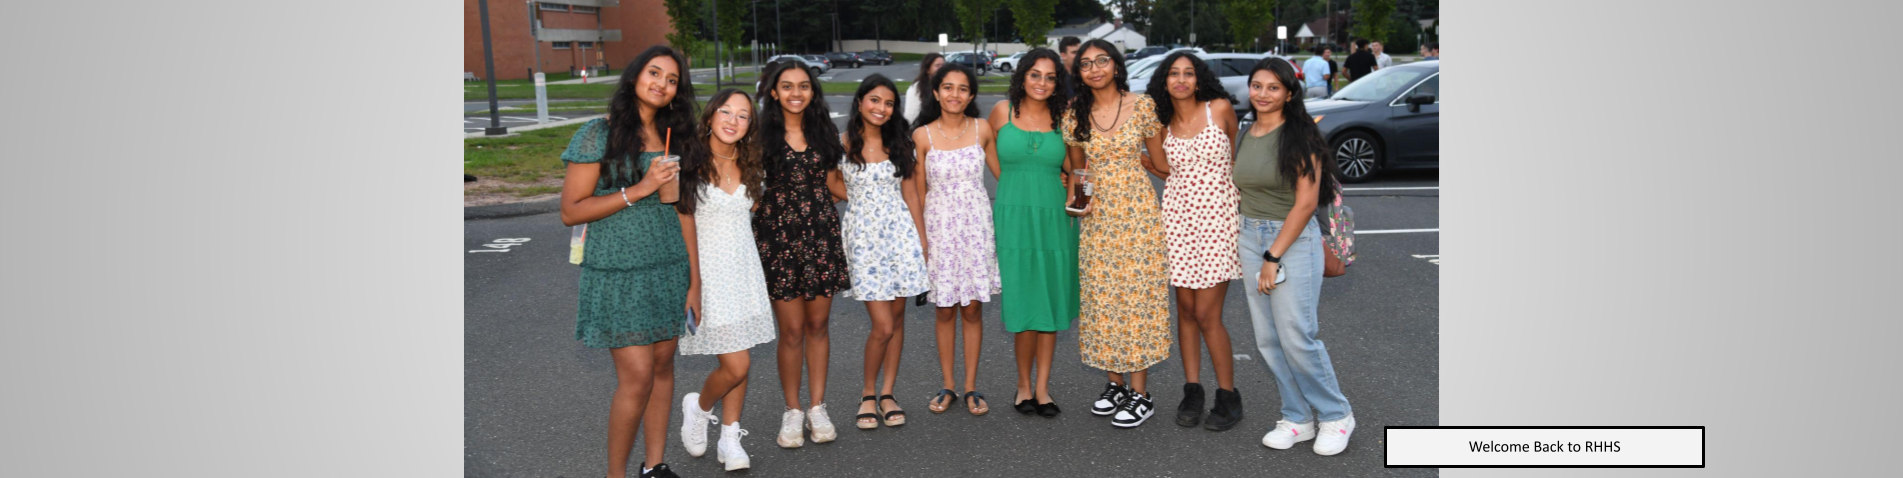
point(797, 228)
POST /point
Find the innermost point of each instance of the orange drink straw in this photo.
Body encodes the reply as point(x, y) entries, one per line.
point(668, 144)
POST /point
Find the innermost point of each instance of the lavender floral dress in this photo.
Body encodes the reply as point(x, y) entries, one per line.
point(964, 260)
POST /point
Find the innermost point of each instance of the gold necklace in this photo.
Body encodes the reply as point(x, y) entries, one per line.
point(961, 132)
point(736, 154)
point(1093, 116)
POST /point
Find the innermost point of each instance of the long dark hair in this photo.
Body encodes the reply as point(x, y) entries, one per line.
point(925, 68)
point(816, 122)
point(1080, 106)
point(624, 117)
point(1057, 100)
point(1299, 142)
point(894, 133)
point(1208, 87)
point(697, 166)
point(931, 110)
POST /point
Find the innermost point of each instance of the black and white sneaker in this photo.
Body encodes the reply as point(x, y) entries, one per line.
point(1134, 411)
point(1112, 399)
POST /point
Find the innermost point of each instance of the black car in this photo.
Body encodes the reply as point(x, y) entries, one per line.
point(843, 59)
point(876, 56)
point(976, 61)
point(1389, 119)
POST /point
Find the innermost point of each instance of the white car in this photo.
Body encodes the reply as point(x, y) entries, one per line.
point(1009, 63)
point(815, 66)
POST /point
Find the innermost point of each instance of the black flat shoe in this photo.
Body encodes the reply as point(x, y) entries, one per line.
point(1048, 410)
point(1026, 406)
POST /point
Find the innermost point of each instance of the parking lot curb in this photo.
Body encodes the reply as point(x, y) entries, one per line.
point(533, 127)
point(498, 211)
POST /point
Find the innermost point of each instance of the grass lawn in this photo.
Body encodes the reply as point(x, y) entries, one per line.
point(525, 164)
point(525, 90)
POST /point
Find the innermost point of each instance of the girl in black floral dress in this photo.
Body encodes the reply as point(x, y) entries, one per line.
point(797, 228)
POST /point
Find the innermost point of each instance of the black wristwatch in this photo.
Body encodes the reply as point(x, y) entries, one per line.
point(1270, 258)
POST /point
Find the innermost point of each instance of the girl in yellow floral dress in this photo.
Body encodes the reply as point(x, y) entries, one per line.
point(1123, 263)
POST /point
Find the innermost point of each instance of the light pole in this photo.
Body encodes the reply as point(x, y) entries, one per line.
point(489, 63)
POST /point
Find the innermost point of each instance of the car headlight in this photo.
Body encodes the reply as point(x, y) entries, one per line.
point(1318, 118)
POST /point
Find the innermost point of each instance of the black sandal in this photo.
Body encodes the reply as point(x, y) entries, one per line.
point(979, 406)
point(1048, 410)
point(943, 392)
point(1027, 406)
point(859, 421)
point(892, 418)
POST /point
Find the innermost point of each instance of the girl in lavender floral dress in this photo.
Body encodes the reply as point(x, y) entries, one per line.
point(961, 252)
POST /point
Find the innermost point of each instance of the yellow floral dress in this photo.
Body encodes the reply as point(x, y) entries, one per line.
point(1123, 258)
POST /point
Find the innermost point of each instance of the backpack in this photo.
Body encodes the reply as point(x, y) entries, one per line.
point(1338, 235)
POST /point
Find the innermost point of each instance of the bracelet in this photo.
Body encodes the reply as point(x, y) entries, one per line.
point(624, 197)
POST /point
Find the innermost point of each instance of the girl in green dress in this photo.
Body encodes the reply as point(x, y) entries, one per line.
point(635, 288)
point(1037, 241)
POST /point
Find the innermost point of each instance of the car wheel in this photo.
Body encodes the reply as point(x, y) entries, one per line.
point(1358, 155)
point(1005, 67)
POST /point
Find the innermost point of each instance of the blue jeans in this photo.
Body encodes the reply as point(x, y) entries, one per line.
point(1285, 324)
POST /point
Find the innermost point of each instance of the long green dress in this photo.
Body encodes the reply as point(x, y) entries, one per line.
point(1037, 242)
point(634, 274)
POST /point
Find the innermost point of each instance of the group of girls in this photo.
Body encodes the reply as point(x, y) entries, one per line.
point(731, 238)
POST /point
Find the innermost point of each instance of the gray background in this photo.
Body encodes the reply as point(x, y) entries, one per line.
point(1669, 214)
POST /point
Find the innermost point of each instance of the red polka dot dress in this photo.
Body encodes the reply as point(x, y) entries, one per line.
point(1201, 217)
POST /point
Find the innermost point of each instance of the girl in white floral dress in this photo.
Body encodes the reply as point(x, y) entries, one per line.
point(882, 231)
point(720, 183)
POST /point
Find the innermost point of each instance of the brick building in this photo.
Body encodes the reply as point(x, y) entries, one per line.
point(574, 34)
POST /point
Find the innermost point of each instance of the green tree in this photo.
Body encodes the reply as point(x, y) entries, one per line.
point(1247, 19)
point(1033, 19)
point(973, 14)
point(1374, 19)
point(684, 16)
point(733, 16)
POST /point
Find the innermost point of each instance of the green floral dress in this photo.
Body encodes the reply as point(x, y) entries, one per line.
point(634, 274)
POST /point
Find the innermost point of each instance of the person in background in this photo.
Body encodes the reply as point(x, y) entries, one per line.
point(616, 184)
point(1067, 51)
point(719, 184)
point(1284, 171)
point(1315, 75)
point(1361, 62)
point(1431, 51)
point(1334, 69)
point(1381, 60)
point(913, 99)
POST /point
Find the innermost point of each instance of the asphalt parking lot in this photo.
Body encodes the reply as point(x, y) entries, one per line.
point(536, 399)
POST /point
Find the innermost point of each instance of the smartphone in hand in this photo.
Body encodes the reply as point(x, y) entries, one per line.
point(692, 328)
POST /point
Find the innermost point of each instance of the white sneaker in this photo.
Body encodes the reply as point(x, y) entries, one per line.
point(792, 435)
point(730, 452)
point(1287, 433)
point(821, 424)
point(1333, 436)
point(694, 424)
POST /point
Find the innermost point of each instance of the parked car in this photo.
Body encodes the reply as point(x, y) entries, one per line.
point(827, 64)
point(976, 61)
point(876, 56)
point(1389, 119)
point(812, 66)
point(1146, 52)
point(1231, 68)
point(1009, 63)
point(844, 58)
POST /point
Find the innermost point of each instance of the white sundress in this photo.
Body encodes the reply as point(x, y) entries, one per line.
point(883, 255)
point(735, 312)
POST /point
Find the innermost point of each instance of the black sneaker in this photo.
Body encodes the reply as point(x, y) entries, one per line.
point(1228, 411)
point(1134, 411)
point(660, 471)
point(1190, 412)
point(1113, 397)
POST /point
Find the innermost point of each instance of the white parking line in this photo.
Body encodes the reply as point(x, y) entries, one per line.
point(1391, 189)
point(1396, 231)
point(518, 118)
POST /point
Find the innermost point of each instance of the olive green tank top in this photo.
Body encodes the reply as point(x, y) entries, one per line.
point(1264, 194)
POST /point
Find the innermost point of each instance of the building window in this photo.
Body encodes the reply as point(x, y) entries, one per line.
point(587, 44)
point(554, 7)
point(560, 45)
point(585, 9)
